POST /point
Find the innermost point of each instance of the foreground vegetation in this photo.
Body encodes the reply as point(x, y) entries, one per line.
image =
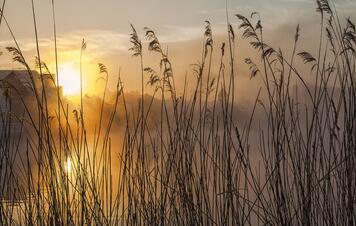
point(196, 165)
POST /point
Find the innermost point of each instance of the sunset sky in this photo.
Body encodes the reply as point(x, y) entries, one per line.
point(177, 112)
point(167, 15)
point(179, 24)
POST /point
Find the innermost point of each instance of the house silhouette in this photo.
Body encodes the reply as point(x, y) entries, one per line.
point(17, 88)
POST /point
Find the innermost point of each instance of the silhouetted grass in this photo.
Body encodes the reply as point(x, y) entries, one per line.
point(194, 164)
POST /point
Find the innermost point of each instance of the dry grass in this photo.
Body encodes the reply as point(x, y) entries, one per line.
point(194, 166)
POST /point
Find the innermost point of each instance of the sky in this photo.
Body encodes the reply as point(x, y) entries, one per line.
point(105, 25)
point(166, 15)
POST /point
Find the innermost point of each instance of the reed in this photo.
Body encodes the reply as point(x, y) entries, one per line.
point(196, 164)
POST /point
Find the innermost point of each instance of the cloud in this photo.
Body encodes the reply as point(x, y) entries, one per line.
point(103, 40)
point(180, 33)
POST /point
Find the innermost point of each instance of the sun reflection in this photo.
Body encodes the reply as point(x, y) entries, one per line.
point(68, 166)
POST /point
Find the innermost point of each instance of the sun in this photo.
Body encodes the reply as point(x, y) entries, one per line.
point(69, 79)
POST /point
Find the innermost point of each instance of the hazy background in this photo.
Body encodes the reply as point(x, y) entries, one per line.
point(178, 25)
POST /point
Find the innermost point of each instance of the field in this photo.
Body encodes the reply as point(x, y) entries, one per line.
point(187, 154)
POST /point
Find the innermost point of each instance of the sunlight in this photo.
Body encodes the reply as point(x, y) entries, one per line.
point(68, 166)
point(69, 79)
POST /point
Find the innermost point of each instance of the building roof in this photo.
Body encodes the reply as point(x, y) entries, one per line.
point(21, 75)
